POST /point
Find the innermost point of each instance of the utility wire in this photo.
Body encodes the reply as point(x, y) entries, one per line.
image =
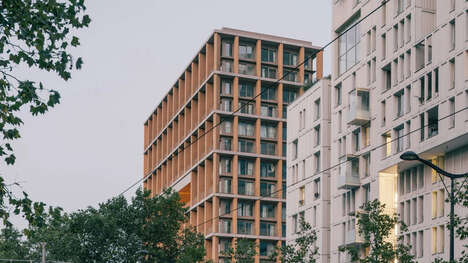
point(272, 85)
point(334, 166)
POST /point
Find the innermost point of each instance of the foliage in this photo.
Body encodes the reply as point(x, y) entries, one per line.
point(303, 250)
point(11, 244)
point(244, 251)
point(145, 229)
point(37, 35)
point(375, 227)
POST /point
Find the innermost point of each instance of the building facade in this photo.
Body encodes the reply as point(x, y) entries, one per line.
point(308, 185)
point(221, 145)
point(399, 82)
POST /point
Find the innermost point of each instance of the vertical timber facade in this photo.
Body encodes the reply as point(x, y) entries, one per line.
point(221, 146)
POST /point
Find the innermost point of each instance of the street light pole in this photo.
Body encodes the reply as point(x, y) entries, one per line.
point(412, 156)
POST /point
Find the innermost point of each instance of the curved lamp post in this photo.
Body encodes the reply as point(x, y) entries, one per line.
point(412, 156)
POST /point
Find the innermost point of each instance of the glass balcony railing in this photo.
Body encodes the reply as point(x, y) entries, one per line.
point(349, 175)
point(359, 113)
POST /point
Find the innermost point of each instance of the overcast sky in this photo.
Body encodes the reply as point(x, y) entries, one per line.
point(90, 147)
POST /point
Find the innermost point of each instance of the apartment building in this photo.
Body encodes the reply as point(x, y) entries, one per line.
point(308, 185)
point(221, 146)
point(399, 82)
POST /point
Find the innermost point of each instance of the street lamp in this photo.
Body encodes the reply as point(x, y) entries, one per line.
point(412, 156)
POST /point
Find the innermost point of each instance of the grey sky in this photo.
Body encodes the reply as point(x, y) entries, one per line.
point(89, 148)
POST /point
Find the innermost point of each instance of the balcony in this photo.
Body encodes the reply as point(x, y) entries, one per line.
point(349, 175)
point(359, 107)
point(352, 236)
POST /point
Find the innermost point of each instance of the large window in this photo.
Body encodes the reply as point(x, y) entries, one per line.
point(246, 146)
point(269, 54)
point(289, 95)
point(268, 93)
point(289, 58)
point(246, 129)
point(246, 89)
point(268, 72)
point(246, 187)
point(268, 130)
point(246, 167)
point(245, 208)
point(267, 169)
point(348, 48)
point(246, 51)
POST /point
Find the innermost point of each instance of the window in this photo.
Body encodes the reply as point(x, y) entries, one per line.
point(422, 124)
point(246, 107)
point(267, 210)
point(268, 93)
point(289, 95)
point(408, 132)
point(419, 56)
point(387, 140)
point(317, 188)
point(367, 161)
point(387, 77)
point(268, 148)
point(245, 227)
point(366, 191)
point(434, 241)
point(340, 120)
point(267, 189)
point(395, 37)
point(226, 48)
point(245, 167)
point(338, 94)
point(247, 69)
point(225, 165)
point(317, 109)
point(226, 87)
point(226, 65)
point(399, 98)
point(436, 80)
point(302, 195)
point(408, 63)
point(225, 225)
point(348, 46)
point(452, 34)
point(246, 187)
point(452, 74)
point(408, 28)
point(357, 139)
point(317, 135)
point(429, 85)
point(267, 169)
point(433, 121)
point(366, 135)
point(317, 161)
point(295, 225)
point(246, 51)
point(290, 75)
point(294, 150)
point(225, 105)
point(246, 129)
point(384, 46)
point(422, 89)
point(269, 54)
point(399, 134)
point(268, 72)
point(246, 146)
point(268, 110)
point(268, 130)
point(225, 185)
point(452, 112)
point(246, 89)
point(245, 208)
point(290, 58)
point(224, 207)
point(267, 229)
point(267, 248)
point(383, 111)
point(225, 143)
point(400, 7)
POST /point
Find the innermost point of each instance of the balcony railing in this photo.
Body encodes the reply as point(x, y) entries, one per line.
point(352, 236)
point(359, 113)
point(349, 177)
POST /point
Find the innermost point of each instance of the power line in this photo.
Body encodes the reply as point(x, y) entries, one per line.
point(182, 148)
point(334, 166)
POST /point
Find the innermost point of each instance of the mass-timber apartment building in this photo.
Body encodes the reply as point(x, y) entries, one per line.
point(399, 82)
point(221, 146)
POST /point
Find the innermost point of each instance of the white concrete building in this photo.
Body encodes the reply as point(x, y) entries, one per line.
point(399, 82)
point(308, 194)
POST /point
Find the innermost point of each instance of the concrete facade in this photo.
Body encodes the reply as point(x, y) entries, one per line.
point(399, 82)
point(395, 79)
point(308, 193)
point(231, 176)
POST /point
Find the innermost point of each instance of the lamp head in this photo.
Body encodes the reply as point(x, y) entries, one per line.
point(409, 156)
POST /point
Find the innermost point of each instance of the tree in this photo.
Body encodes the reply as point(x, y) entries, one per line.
point(243, 251)
point(11, 244)
point(304, 248)
point(375, 227)
point(36, 35)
